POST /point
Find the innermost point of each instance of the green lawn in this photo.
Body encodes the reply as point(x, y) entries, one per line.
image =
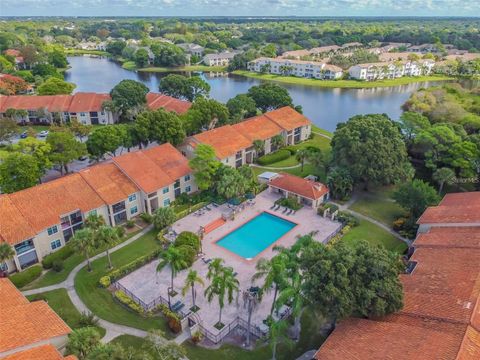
point(379, 205)
point(60, 302)
point(310, 338)
point(185, 68)
point(315, 128)
point(37, 128)
point(52, 277)
point(341, 83)
point(129, 65)
point(101, 302)
point(374, 235)
point(317, 141)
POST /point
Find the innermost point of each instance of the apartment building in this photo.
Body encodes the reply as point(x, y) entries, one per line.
point(30, 330)
point(42, 219)
point(219, 59)
point(440, 318)
point(84, 107)
point(299, 68)
point(234, 144)
point(391, 70)
point(313, 52)
point(192, 49)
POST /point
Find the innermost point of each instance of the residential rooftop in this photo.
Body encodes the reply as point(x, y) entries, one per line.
point(462, 208)
point(42, 352)
point(300, 186)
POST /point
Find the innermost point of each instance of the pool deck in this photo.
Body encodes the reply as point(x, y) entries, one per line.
point(147, 284)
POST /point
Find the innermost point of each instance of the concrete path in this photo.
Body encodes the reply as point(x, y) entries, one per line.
point(323, 135)
point(113, 330)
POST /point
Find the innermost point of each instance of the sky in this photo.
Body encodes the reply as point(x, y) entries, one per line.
point(239, 8)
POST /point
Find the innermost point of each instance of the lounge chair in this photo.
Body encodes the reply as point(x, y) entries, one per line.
point(284, 210)
point(271, 207)
point(176, 305)
point(235, 273)
point(214, 204)
point(208, 261)
point(278, 207)
point(179, 307)
point(207, 208)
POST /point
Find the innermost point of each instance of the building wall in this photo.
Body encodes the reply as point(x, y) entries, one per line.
point(60, 342)
point(307, 70)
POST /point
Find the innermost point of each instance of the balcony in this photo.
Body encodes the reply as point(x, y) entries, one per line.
point(25, 246)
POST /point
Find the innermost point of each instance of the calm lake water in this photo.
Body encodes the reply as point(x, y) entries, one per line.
point(324, 106)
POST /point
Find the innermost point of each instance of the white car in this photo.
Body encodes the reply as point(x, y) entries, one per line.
point(43, 133)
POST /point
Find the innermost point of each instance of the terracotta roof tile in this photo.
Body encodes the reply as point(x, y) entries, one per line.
point(13, 226)
point(43, 352)
point(52, 103)
point(287, 118)
point(27, 323)
point(258, 128)
point(470, 348)
point(170, 160)
point(156, 101)
point(294, 184)
point(454, 208)
point(109, 182)
point(84, 102)
point(10, 295)
point(225, 140)
point(458, 237)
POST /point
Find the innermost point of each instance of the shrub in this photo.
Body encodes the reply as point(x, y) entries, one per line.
point(26, 276)
point(188, 238)
point(57, 265)
point(173, 320)
point(197, 337)
point(60, 255)
point(163, 217)
point(292, 149)
point(188, 254)
point(105, 281)
point(87, 319)
point(399, 224)
point(347, 219)
point(146, 217)
point(331, 206)
point(274, 157)
point(290, 203)
point(130, 224)
point(126, 300)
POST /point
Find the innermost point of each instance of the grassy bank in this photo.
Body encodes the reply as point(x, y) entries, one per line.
point(354, 84)
point(184, 68)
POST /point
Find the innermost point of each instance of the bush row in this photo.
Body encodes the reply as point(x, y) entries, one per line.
point(126, 300)
point(274, 157)
point(113, 275)
point(338, 237)
point(347, 219)
point(292, 149)
point(57, 256)
point(26, 276)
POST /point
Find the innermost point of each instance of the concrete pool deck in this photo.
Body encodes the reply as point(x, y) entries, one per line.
point(148, 285)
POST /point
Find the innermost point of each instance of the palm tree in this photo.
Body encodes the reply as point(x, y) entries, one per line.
point(192, 279)
point(259, 146)
point(315, 157)
point(441, 176)
point(278, 334)
point(251, 299)
point(6, 253)
point(223, 283)
point(84, 242)
point(292, 294)
point(274, 273)
point(173, 257)
point(214, 268)
point(106, 236)
point(94, 221)
point(301, 156)
point(277, 141)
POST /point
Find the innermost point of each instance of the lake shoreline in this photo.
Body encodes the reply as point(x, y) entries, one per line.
point(342, 84)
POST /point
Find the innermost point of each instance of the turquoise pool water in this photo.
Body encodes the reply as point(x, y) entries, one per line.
point(256, 235)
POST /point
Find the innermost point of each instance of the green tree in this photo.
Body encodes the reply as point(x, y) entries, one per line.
point(205, 114)
point(415, 196)
point(160, 348)
point(57, 58)
point(105, 140)
point(6, 253)
point(83, 341)
point(163, 217)
point(241, 106)
point(54, 86)
point(293, 295)
point(110, 352)
point(277, 142)
point(79, 129)
point(259, 146)
point(141, 58)
point(340, 183)
point(173, 257)
point(230, 183)
point(64, 148)
point(168, 55)
point(204, 166)
point(128, 97)
point(39, 149)
point(18, 171)
point(269, 96)
point(441, 176)
point(190, 281)
point(278, 334)
point(197, 87)
point(412, 123)
point(45, 71)
point(84, 242)
point(160, 126)
point(371, 148)
point(116, 47)
point(181, 87)
point(107, 236)
point(301, 156)
point(8, 129)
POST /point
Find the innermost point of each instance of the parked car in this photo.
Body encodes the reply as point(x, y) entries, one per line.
point(23, 135)
point(43, 133)
point(83, 158)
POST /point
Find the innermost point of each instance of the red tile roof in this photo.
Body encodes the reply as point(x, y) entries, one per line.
point(12, 52)
point(52, 103)
point(13, 226)
point(154, 168)
point(454, 208)
point(287, 118)
point(457, 237)
point(25, 323)
point(87, 102)
point(258, 128)
point(156, 101)
point(307, 188)
point(225, 140)
point(42, 352)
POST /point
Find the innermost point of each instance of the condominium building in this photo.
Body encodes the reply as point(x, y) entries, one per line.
point(42, 219)
point(391, 70)
point(234, 144)
point(219, 59)
point(85, 107)
point(192, 49)
point(300, 68)
point(313, 52)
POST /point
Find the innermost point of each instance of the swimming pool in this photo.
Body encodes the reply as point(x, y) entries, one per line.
point(256, 235)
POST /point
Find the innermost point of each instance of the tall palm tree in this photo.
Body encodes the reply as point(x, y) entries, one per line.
point(274, 273)
point(106, 236)
point(173, 257)
point(6, 253)
point(84, 242)
point(441, 176)
point(259, 146)
point(94, 221)
point(278, 334)
point(277, 141)
point(192, 279)
point(251, 299)
point(224, 283)
point(301, 156)
point(214, 268)
point(292, 294)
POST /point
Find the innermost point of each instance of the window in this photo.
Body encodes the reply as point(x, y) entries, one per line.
point(118, 207)
point(188, 189)
point(83, 114)
point(55, 244)
point(93, 213)
point(187, 178)
point(165, 190)
point(166, 202)
point(24, 246)
point(132, 197)
point(133, 210)
point(52, 230)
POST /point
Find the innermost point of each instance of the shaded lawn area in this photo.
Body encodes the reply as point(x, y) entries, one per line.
point(307, 170)
point(52, 277)
point(374, 235)
point(310, 338)
point(101, 302)
point(60, 302)
point(379, 205)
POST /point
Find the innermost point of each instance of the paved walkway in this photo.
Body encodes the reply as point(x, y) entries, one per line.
point(113, 330)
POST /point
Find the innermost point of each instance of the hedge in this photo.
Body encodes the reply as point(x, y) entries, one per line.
point(274, 157)
point(292, 149)
point(26, 276)
point(58, 255)
point(126, 300)
point(173, 320)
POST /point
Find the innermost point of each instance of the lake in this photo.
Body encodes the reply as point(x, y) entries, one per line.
point(324, 106)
